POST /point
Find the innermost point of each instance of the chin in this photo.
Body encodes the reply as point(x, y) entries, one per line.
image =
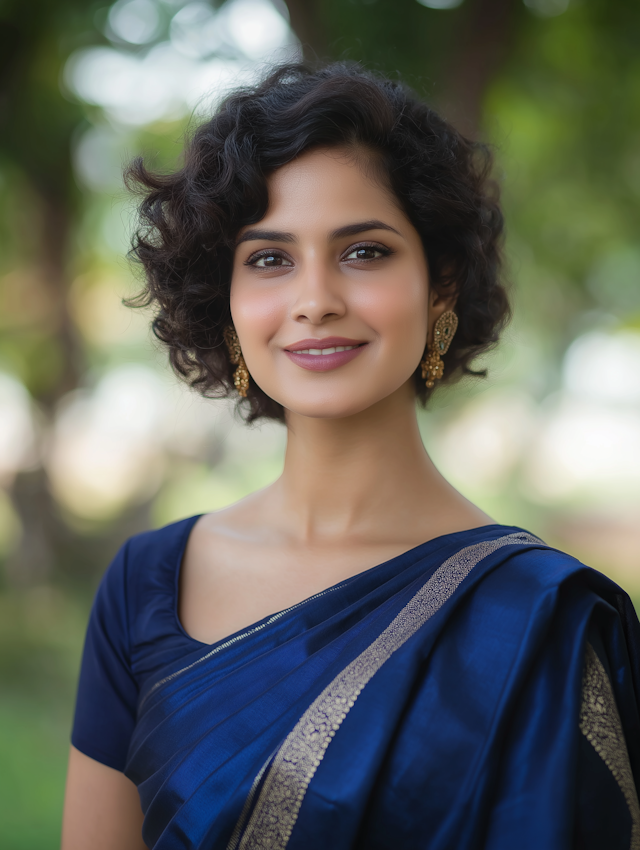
point(336, 410)
point(340, 405)
point(339, 399)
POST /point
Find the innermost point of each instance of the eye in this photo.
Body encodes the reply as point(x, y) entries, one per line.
point(268, 260)
point(365, 253)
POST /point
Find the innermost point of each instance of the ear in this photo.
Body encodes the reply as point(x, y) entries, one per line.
point(440, 300)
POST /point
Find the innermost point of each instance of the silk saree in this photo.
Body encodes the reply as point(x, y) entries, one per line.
point(479, 691)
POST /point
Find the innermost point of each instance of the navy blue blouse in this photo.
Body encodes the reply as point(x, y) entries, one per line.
point(133, 632)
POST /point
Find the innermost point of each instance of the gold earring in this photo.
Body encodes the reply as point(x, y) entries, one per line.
point(443, 331)
point(241, 375)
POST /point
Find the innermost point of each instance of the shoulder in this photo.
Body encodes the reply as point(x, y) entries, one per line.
point(530, 594)
point(549, 567)
point(538, 575)
point(146, 565)
point(160, 545)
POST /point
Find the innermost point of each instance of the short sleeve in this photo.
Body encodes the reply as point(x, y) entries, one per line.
point(107, 691)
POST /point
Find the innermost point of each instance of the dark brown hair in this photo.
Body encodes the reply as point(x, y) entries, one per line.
point(189, 219)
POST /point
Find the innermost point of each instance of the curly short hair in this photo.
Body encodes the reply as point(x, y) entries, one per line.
point(189, 219)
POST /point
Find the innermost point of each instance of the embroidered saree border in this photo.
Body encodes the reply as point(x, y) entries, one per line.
point(600, 724)
point(297, 759)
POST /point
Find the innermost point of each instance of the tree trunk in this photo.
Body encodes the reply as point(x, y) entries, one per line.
point(42, 527)
point(480, 49)
point(307, 24)
point(57, 223)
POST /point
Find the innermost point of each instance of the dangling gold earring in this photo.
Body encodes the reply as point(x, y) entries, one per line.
point(241, 375)
point(443, 331)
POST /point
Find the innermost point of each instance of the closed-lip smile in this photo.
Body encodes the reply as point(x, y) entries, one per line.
point(322, 355)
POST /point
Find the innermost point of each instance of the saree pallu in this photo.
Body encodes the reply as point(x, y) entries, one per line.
point(482, 695)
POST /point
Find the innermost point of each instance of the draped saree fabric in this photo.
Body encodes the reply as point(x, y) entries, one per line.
point(479, 691)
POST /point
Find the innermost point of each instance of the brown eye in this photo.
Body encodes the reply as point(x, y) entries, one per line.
point(365, 252)
point(270, 261)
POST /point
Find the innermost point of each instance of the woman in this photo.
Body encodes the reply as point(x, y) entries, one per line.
point(355, 656)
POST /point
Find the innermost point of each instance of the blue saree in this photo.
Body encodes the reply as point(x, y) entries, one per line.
point(478, 691)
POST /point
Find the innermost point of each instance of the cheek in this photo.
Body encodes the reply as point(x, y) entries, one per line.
point(397, 308)
point(256, 311)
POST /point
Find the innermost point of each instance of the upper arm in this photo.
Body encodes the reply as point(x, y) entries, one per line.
point(107, 691)
point(102, 808)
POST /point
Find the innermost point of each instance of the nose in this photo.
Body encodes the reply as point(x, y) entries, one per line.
point(318, 295)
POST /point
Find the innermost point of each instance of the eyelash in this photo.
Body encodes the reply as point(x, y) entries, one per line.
point(376, 246)
point(266, 252)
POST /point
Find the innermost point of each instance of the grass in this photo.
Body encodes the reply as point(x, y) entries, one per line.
point(41, 634)
point(33, 755)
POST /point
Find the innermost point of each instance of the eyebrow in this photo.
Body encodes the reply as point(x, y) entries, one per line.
point(266, 236)
point(361, 227)
point(254, 234)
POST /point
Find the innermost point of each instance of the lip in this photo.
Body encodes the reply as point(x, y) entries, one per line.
point(325, 342)
point(323, 362)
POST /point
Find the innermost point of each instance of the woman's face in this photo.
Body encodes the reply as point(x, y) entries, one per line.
point(330, 290)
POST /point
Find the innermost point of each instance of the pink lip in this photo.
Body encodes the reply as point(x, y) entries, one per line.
point(326, 342)
point(323, 362)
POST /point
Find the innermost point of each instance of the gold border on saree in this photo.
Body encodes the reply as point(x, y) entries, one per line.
point(601, 725)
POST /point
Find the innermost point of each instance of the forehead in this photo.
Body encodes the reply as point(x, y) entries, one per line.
point(330, 184)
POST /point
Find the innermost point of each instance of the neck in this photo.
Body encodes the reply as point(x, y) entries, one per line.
point(363, 476)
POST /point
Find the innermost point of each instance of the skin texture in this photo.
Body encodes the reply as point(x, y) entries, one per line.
point(358, 487)
point(102, 808)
